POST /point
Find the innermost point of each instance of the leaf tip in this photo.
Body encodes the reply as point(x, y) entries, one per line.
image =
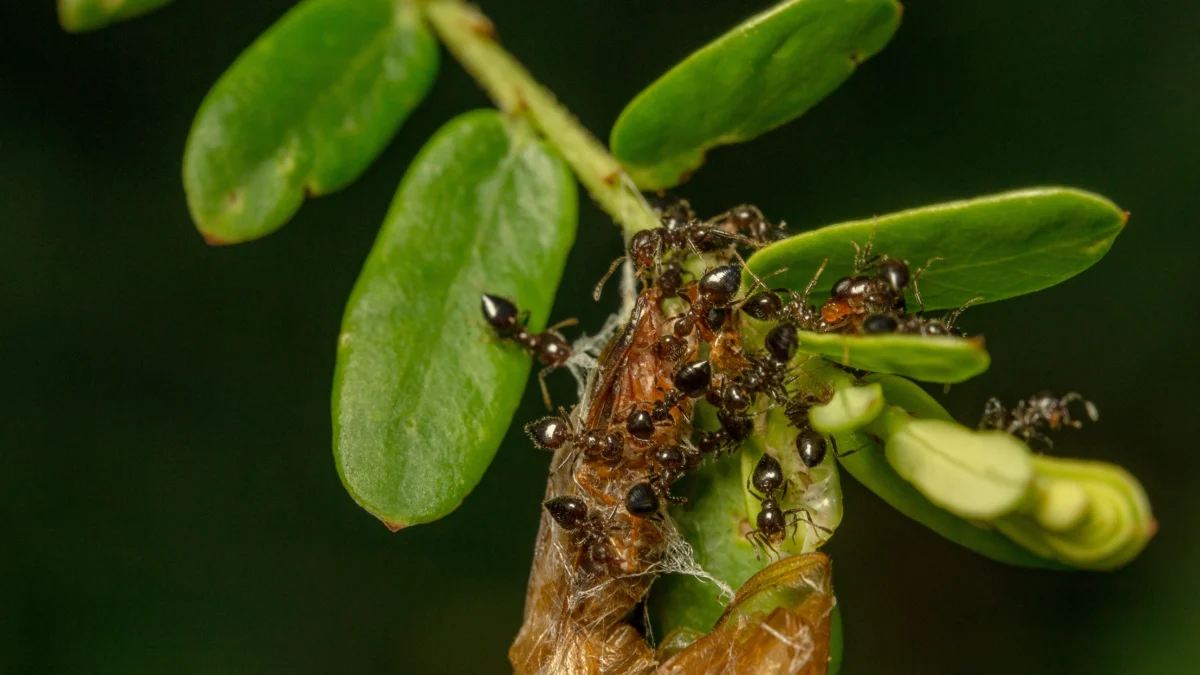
point(393, 527)
point(1125, 218)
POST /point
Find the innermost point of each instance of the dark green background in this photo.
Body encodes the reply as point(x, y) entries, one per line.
point(168, 500)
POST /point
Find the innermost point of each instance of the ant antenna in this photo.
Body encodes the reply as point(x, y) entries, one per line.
point(950, 320)
point(917, 275)
point(862, 255)
point(611, 269)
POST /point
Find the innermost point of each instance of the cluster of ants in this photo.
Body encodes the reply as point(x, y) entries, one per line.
point(701, 342)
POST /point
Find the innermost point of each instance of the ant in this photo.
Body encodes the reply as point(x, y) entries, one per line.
point(857, 296)
point(735, 428)
point(1028, 417)
point(586, 529)
point(549, 346)
point(917, 324)
point(692, 380)
point(772, 520)
point(766, 305)
point(678, 231)
point(747, 219)
point(811, 445)
point(668, 463)
point(551, 433)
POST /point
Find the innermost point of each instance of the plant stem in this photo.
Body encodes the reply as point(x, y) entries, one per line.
point(469, 35)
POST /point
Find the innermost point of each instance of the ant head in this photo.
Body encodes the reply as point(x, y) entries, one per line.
point(746, 218)
point(669, 457)
point(670, 279)
point(767, 476)
point(640, 500)
point(568, 512)
point(643, 248)
point(763, 306)
point(501, 314)
point(880, 323)
point(781, 341)
point(810, 445)
point(720, 284)
point(693, 378)
point(548, 433)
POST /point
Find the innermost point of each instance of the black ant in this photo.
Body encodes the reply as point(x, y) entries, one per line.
point(767, 306)
point(551, 433)
point(648, 248)
point(669, 463)
point(692, 380)
point(748, 220)
point(772, 520)
point(735, 428)
point(811, 445)
point(916, 324)
point(549, 346)
point(858, 296)
point(586, 529)
point(1028, 417)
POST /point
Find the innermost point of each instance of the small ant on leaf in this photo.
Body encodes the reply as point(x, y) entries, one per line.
point(549, 346)
point(772, 521)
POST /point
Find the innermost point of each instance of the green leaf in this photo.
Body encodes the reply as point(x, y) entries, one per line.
point(423, 394)
point(868, 465)
point(304, 110)
point(80, 16)
point(996, 247)
point(975, 474)
point(850, 407)
point(760, 75)
point(1087, 514)
point(928, 358)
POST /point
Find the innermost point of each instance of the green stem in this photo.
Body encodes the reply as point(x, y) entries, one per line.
point(469, 35)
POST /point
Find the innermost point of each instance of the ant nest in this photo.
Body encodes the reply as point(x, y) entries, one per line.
point(605, 532)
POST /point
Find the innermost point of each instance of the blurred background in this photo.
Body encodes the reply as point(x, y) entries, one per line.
point(168, 498)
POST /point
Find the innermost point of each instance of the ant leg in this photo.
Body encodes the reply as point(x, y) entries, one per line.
point(565, 323)
point(603, 280)
point(545, 391)
point(917, 275)
point(812, 284)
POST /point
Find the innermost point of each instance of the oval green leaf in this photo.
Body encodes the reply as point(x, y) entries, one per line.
point(994, 247)
point(869, 466)
point(303, 111)
point(928, 358)
point(423, 395)
point(80, 16)
point(979, 475)
point(760, 75)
